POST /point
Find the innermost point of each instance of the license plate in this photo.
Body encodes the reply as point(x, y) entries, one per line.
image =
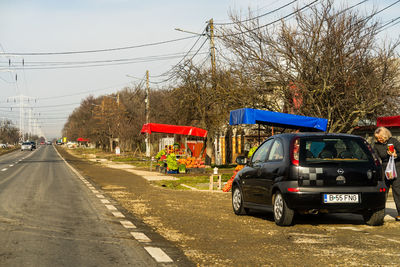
point(341, 198)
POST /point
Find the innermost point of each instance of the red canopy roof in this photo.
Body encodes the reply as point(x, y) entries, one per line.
point(81, 139)
point(392, 121)
point(173, 129)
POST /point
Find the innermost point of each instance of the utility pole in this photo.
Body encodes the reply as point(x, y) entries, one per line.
point(21, 99)
point(147, 111)
point(210, 29)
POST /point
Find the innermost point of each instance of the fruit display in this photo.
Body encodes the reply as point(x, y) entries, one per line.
point(228, 184)
point(192, 162)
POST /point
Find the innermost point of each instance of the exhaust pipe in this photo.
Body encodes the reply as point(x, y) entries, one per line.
point(313, 211)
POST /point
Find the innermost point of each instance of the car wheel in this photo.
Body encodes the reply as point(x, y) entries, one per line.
point(374, 218)
point(283, 215)
point(237, 202)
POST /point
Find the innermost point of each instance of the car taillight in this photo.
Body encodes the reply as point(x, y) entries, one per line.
point(290, 189)
point(382, 189)
point(294, 151)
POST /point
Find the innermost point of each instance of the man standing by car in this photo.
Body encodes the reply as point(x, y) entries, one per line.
point(383, 139)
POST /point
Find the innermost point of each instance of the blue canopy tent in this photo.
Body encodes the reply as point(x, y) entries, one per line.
point(283, 120)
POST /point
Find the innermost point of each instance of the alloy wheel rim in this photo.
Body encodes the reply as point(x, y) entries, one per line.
point(278, 206)
point(237, 199)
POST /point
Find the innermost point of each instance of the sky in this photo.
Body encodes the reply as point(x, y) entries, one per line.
point(54, 84)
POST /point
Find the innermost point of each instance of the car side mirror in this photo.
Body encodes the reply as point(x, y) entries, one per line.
point(241, 160)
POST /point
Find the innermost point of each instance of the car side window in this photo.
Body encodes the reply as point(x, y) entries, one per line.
point(276, 151)
point(261, 153)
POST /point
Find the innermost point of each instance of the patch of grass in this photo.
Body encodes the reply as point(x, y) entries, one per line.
point(83, 150)
point(122, 159)
point(8, 150)
point(200, 181)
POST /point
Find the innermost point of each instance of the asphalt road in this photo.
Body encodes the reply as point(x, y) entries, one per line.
point(49, 217)
point(204, 226)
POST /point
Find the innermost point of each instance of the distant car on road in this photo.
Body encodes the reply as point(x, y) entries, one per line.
point(48, 143)
point(33, 145)
point(310, 173)
point(26, 146)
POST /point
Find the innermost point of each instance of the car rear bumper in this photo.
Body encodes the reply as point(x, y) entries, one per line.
point(370, 198)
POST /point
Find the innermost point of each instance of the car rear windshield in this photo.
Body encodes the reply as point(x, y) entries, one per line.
point(26, 143)
point(315, 150)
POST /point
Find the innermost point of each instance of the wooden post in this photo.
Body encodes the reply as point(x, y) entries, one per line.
point(211, 185)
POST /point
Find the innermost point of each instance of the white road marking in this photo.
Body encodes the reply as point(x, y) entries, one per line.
point(4, 169)
point(118, 214)
point(111, 207)
point(91, 187)
point(10, 165)
point(158, 254)
point(127, 224)
point(100, 196)
point(350, 228)
point(140, 237)
point(104, 201)
point(95, 191)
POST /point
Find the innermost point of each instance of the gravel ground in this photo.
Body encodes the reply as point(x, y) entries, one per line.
point(204, 226)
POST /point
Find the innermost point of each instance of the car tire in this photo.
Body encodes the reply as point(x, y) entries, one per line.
point(283, 215)
point(374, 218)
point(237, 202)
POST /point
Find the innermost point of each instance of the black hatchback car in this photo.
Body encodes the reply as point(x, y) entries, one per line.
point(310, 173)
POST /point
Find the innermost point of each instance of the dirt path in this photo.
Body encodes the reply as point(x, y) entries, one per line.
point(204, 226)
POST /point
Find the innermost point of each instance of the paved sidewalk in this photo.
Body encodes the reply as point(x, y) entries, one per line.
point(390, 210)
point(148, 175)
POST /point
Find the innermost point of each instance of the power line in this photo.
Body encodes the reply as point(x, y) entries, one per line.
point(377, 12)
point(60, 105)
point(183, 58)
point(90, 65)
point(140, 59)
point(96, 50)
point(257, 17)
point(83, 92)
point(190, 60)
point(273, 22)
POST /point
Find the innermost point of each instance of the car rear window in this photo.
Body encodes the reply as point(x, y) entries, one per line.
point(333, 149)
point(26, 143)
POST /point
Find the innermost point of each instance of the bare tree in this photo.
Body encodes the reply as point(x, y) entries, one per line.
point(9, 134)
point(325, 63)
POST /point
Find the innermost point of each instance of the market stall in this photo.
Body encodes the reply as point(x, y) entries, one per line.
point(181, 156)
point(83, 141)
point(276, 119)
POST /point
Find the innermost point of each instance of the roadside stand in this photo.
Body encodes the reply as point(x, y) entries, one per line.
point(186, 154)
point(274, 119)
point(83, 141)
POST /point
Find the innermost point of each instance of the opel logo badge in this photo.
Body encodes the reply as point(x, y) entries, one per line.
point(340, 171)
